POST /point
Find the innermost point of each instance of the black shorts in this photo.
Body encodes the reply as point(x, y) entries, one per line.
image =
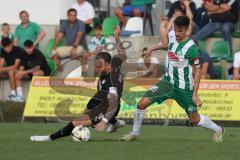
point(97, 106)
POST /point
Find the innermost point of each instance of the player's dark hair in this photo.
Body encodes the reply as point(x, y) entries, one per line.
point(28, 43)
point(23, 11)
point(71, 10)
point(182, 21)
point(6, 42)
point(105, 56)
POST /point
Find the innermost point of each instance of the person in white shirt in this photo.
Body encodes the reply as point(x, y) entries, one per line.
point(148, 66)
point(236, 66)
point(85, 13)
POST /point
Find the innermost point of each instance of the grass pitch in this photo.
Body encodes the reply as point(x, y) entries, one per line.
point(156, 142)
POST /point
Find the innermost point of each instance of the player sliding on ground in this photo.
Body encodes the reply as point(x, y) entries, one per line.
point(179, 83)
point(104, 106)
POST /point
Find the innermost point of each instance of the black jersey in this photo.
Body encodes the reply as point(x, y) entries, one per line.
point(114, 78)
point(98, 104)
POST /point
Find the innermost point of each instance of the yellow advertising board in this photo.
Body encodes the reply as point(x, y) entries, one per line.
point(221, 100)
point(49, 97)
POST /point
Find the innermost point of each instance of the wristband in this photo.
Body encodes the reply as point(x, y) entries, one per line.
point(105, 120)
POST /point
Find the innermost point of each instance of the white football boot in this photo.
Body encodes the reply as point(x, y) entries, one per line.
point(113, 127)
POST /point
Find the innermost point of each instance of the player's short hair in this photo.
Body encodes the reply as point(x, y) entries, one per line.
point(22, 12)
point(105, 56)
point(6, 42)
point(71, 10)
point(28, 43)
point(182, 21)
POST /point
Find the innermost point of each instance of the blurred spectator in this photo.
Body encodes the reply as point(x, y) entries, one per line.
point(170, 30)
point(10, 61)
point(6, 32)
point(148, 66)
point(236, 66)
point(97, 44)
point(73, 31)
point(201, 17)
point(136, 8)
point(207, 68)
point(35, 64)
point(183, 6)
point(223, 15)
point(98, 41)
point(28, 30)
point(85, 13)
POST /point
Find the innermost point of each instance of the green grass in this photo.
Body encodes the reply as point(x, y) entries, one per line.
point(156, 142)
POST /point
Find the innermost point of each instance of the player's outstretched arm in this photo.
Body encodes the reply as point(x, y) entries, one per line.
point(120, 48)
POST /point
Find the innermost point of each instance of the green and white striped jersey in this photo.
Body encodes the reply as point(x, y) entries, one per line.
point(181, 57)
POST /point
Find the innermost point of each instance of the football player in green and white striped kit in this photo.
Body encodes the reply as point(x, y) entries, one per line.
point(179, 83)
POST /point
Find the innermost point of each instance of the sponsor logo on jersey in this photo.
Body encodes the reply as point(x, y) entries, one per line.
point(173, 57)
point(153, 88)
point(191, 109)
point(179, 53)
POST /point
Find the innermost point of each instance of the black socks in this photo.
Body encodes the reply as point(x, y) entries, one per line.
point(66, 131)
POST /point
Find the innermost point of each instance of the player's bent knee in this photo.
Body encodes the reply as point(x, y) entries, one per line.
point(143, 103)
point(75, 123)
point(195, 119)
point(84, 120)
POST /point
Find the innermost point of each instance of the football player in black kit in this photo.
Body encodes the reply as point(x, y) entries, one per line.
point(104, 106)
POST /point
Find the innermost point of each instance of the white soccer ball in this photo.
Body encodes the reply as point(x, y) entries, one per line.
point(81, 133)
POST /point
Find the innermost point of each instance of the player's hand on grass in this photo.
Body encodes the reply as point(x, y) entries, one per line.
point(197, 100)
point(100, 126)
point(117, 32)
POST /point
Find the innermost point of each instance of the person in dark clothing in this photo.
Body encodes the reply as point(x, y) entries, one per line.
point(207, 68)
point(187, 7)
point(223, 16)
point(10, 61)
point(103, 107)
point(34, 64)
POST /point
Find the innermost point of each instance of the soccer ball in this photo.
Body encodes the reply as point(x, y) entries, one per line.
point(81, 133)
